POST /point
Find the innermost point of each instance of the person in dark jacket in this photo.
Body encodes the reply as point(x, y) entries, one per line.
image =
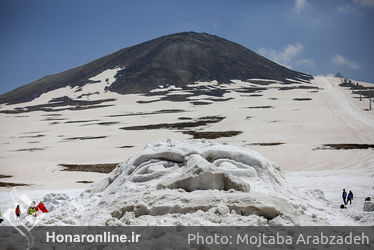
point(344, 197)
point(350, 197)
point(18, 211)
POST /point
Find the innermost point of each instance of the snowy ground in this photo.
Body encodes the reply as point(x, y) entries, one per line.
point(288, 127)
point(205, 183)
point(332, 183)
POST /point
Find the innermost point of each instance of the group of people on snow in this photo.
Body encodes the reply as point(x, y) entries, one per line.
point(33, 210)
point(36, 210)
point(348, 198)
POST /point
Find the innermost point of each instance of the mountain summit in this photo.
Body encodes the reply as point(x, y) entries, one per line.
point(176, 59)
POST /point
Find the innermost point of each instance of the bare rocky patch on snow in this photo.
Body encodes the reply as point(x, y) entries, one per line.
point(346, 146)
point(10, 184)
point(261, 107)
point(163, 111)
point(60, 104)
point(5, 176)
point(99, 168)
point(212, 134)
point(202, 121)
point(267, 143)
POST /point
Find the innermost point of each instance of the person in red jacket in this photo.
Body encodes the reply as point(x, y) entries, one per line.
point(40, 208)
point(18, 211)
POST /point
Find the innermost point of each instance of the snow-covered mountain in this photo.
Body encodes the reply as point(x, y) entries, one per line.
point(176, 59)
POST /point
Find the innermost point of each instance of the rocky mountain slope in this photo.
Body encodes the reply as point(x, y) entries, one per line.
point(176, 59)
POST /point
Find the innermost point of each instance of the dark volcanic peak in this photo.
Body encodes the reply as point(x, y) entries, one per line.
point(175, 59)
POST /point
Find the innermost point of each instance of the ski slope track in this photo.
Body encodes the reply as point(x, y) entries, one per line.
point(345, 109)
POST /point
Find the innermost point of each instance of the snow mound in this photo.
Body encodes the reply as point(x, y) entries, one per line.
point(53, 200)
point(194, 182)
point(194, 166)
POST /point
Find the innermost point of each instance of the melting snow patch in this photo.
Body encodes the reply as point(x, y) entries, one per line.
point(162, 88)
point(106, 76)
point(194, 182)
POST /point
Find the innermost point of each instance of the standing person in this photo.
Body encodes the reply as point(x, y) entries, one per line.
point(31, 209)
point(350, 197)
point(344, 197)
point(18, 212)
point(40, 208)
